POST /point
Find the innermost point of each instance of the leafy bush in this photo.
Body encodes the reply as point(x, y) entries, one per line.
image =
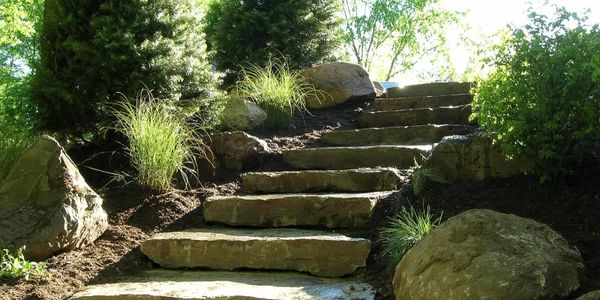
point(16, 266)
point(543, 100)
point(253, 32)
point(160, 142)
point(405, 230)
point(279, 91)
point(93, 50)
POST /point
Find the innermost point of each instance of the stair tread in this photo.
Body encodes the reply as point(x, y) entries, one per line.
point(200, 285)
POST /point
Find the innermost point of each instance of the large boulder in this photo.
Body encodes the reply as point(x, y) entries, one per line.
point(474, 157)
point(483, 254)
point(237, 150)
point(46, 205)
point(337, 83)
point(241, 114)
point(595, 295)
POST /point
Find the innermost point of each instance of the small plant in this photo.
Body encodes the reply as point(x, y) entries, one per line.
point(16, 266)
point(161, 142)
point(405, 230)
point(421, 176)
point(278, 90)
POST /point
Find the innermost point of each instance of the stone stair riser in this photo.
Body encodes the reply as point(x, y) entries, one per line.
point(329, 211)
point(386, 104)
point(354, 157)
point(401, 135)
point(430, 89)
point(354, 180)
point(328, 255)
point(455, 115)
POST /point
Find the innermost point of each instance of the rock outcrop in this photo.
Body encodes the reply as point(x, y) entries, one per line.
point(240, 114)
point(46, 205)
point(236, 150)
point(337, 83)
point(473, 157)
point(483, 254)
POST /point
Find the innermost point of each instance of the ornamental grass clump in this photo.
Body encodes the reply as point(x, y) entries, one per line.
point(404, 231)
point(422, 176)
point(278, 90)
point(161, 143)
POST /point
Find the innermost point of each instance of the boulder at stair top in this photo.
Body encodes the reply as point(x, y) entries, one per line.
point(337, 83)
point(240, 114)
point(237, 150)
point(474, 157)
point(46, 205)
point(483, 254)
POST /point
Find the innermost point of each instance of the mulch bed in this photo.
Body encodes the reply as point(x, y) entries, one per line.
point(572, 208)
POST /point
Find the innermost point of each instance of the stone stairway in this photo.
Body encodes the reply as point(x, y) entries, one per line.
point(278, 226)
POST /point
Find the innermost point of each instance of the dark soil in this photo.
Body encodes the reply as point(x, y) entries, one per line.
point(571, 208)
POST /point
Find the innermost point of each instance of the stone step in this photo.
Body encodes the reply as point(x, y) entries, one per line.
point(337, 158)
point(188, 285)
point(384, 104)
point(400, 135)
point(280, 210)
point(420, 116)
point(319, 253)
point(352, 180)
point(430, 89)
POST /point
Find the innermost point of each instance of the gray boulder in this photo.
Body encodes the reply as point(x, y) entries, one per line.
point(46, 205)
point(474, 157)
point(241, 114)
point(337, 82)
point(483, 254)
point(236, 150)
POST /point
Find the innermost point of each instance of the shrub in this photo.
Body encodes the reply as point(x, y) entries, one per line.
point(93, 50)
point(543, 100)
point(160, 142)
point(277, 89)
point(404, 231)
point(16, 266)
point(253, 32)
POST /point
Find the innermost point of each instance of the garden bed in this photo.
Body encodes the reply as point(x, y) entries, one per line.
point(572, 208)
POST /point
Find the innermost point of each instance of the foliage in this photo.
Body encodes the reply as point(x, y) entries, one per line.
point(397, 32)
point(160, 142)
point(277, 89)
point(16, 266)
point(543, 100)
point(254, 32)
point(20, 21)
point(93, 50)
point(405, 230)
point(421, 176)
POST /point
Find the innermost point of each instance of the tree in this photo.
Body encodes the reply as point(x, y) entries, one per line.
point(252, 32)
point(396, 33)
point(92, 51)
point(20, 21)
